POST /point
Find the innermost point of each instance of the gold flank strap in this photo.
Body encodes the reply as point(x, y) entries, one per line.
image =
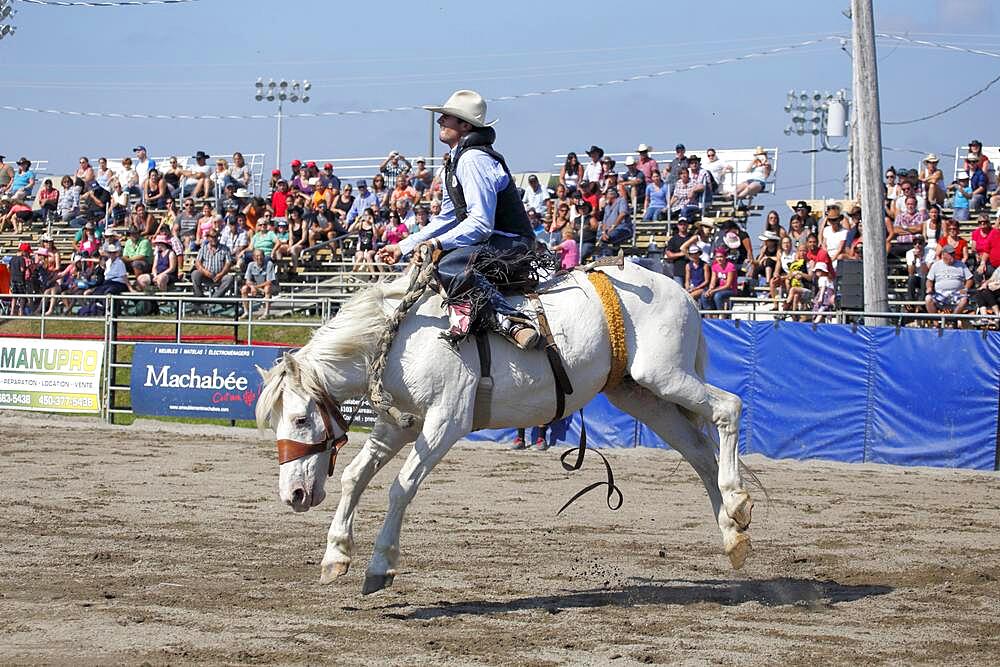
point(616, 326)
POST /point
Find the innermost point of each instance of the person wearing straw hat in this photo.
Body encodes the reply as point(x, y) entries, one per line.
point(931, 176)
point(482, 219)
point(757, 174)
point(961, 197)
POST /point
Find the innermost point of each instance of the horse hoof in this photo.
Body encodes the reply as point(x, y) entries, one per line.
point(741, 513)
point(376, 582)
point(739, 550)
point(331, 571)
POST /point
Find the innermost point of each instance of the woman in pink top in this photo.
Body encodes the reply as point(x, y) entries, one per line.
point(568, 249)
point(722, 284)
point(395, 231)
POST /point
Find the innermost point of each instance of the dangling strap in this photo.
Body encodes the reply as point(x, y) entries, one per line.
point(484, 390)
point(613, 490)
point(562, 383)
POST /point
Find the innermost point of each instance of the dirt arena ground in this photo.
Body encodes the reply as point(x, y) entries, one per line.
point(166, 544)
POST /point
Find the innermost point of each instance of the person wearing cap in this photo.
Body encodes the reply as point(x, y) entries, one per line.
point(919, 260)
point(143, 164)
point(234, 236)
point(392, 167)
point(197, 177)
point(295, 166)
point(302, 182)
point(115, 276)
point(932, 176)
point(279, 199)
point(593, 170)
point(23, 182)
point(696, 276)
point(481, 217)
point(616, 222)
point(978, 181)
point(535, 195)
point(803, 213)
point(633, 182)
point(961, 192)
point(422, 177)
point(824, 295)
point(833, 235)
point(677, 249)
point(678, 164)
point(259, 280)
point(228, 202)
point(21, 268)
point(644, 163)
point(758, 171)
point(721, 283)
point(364, 199)
point(948, 282)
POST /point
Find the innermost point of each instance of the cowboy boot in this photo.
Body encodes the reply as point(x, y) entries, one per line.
point(519, 332)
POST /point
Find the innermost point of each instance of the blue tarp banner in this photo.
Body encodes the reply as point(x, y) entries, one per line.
point(204, 381)
point(877, 394)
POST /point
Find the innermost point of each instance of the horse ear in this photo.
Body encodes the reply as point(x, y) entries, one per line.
point(263, 373)
point(291, 365)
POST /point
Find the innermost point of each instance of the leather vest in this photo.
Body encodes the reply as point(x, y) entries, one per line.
point(511, 217)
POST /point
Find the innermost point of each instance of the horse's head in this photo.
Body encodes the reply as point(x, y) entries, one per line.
point(309, 429)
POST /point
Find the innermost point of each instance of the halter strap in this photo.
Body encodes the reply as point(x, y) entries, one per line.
point(292, 450)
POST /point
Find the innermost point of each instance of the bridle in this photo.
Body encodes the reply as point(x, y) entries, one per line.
point(329, 411)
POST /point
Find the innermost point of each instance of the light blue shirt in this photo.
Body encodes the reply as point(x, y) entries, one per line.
point(482, 179)
point(360, 204)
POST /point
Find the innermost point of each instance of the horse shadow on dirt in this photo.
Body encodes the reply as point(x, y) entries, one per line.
point(777, 592)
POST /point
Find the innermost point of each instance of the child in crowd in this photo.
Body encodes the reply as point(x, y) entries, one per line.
point(825, 296)
point(569, 250)
point(795, 280)
point(695, 273)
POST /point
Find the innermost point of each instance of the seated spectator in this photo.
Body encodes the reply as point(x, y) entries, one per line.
point(23, 183)
point(259, 280)
point(919, 259)
point(685, 202)
point(198, 178)
point(932, 178)
point(85, 172)
point(816, 253)
point(607, 171)
point(633, 183)
point(279, 199)
point(115, 279)
point(234, 236)
point(343, 203)
point(696, 276)
point(677, 165)
point(118, 203)
point(420, 219)
point(655, 202)
point(172, 175)
point(907, 223)
point(571, 173)
point(206, 223)
point(138, 252)
point(757, 174)
point(535, 195)
point(211, 268)
point(239, 172)
point(554, 228)
point(403, 190)
point(588, 236)
point(786, 255)
point(767, 264)
point(824, 298)
point(6, 175)
point(645, 164)
point(227, 201)
point(677, 250)
point(154, 192)
point(220, 178)
point(65, 283)
point(803, 215)
point(592, 172)
point(718, 169)
point(988, 296)
point(364, 200)
point(962, 196)
point(48, 201)
point(978, 182)
point(68, 206)
point(104, 175)
point(265, 238)
point(722, 283)
point(288, 246)
point(188, 221)
point(616, 223)
point(980, 243)
point(141, 219)
point(88, 243)
point(406, 213)
point(165, 266)
point(989, 258)
point(948, 282)
point(798, 280)
point(933, 227)
point(395, 229)
point(704, 183)
point(128, 177)
point(16, 214)
point(951, 237)
point(368, 232)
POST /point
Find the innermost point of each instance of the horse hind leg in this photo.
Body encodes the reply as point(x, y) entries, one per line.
point(669, 422)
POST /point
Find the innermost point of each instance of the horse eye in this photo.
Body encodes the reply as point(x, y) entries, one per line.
point(301, 421)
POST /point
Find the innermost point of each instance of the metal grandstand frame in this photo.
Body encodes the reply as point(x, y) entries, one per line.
point(351, 168)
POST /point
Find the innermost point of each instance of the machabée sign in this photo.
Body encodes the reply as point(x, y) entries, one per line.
point(51, 375)
point(206, 381)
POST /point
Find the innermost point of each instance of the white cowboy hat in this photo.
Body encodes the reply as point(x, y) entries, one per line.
point(820, 266)
point(732, 240)
point(467, 105)
point(629, 161)
point(241, 193)
point(769, 236)
point(931, 158)
point(643, 148)
point(759, 151)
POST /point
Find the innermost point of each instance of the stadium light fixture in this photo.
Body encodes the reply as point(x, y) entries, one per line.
point(284, 91)
point(7, 13)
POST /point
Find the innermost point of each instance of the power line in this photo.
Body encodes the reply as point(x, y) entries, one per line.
point(946, 109)
point(503, 98)
point(119, 3)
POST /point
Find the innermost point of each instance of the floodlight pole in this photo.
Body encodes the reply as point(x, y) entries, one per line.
point(277, 150)
point(869, 147)
point(281, 90)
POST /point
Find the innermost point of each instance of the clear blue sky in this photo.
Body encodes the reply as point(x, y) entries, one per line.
point(204, 57)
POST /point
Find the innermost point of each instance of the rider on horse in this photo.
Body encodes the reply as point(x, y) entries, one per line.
point(482, 223)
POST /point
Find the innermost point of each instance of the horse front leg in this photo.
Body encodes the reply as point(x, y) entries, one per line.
point(438, 435)
point(381, 447)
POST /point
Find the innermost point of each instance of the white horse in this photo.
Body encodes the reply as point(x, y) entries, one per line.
point(664, 388)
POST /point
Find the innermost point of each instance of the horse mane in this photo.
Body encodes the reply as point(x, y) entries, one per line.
point(349, 337)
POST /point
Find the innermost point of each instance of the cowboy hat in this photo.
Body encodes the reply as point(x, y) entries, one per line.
point(241, 193)
point(466, 105)
point(759, 151)
point(629, 161)
point(161, 238)
point(769, 236)
point(931, 158)
point(200, 155)
point(643, 148)
point(803, 204)
point(820, 266)
point(732, 240)
point(596, 149)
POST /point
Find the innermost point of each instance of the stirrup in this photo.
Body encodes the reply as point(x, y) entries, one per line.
point(522, 334)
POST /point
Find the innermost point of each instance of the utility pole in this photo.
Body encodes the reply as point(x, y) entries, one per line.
point(869, 148)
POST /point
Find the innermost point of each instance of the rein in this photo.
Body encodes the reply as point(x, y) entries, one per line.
point(329, 409)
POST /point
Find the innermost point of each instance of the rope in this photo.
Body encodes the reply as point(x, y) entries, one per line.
point(120, 3)
point(423, 272)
